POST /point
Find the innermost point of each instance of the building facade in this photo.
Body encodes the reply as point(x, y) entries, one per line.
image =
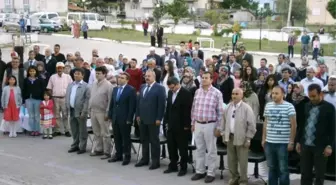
point(26, 6)
point(318, 14)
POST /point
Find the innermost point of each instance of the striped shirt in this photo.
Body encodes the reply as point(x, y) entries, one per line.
point(278, 122)
point(207, 106)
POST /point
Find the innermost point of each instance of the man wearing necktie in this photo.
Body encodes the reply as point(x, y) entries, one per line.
point(31, 60)
point(177, 117)
point(149, 114)
point(121, 113)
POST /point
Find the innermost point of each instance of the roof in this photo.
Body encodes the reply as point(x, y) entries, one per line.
point(73, 7)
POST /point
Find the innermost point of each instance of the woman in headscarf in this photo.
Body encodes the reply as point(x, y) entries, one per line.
point(188, 80)
point(250, 97)
point(259, 83)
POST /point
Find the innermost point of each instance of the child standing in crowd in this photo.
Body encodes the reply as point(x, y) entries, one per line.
point(316, 48)
point(190, 45)
point(11, 101)
point(47, 116)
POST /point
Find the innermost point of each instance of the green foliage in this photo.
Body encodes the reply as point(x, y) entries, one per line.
point(331, 7)
point(299, 10)
point(197, 32)
point(237, 4)
point(297, 33)
point(178, 9)
point(213, 17)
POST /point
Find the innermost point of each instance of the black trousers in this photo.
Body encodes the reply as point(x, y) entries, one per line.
point(234, 46)
point(152, 38)
point(291, 51)
point(149, 134)
point(28, 29)
point(178, 144)
point(312, 157)
point(122, 139)
point(85, 34)
point(145, 31)
point(159, 40)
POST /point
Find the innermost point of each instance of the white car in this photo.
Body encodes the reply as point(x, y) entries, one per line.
point(290, 29)
point(2, 18)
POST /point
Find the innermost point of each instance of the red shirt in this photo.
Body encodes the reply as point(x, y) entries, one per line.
point(145, 24)
point(136, 78)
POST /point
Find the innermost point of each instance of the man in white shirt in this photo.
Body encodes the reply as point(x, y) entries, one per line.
point(330, 91)
point(310, 79)
point(99, 62)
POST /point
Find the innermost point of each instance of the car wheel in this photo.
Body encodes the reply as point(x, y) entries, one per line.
point(103, 28)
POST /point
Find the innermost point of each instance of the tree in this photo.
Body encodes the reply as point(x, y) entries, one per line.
point(214, 18)
point(159, 11)
point(331, 7)
point(237, 4)
point(299, 9)
point(178, 9)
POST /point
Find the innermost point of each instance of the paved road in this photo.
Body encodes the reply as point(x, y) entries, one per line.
point(33, 161)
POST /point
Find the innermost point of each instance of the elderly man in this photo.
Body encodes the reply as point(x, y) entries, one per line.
point(167, 56)
point(49, 62)
point(206, 116)
point(238, 128)
point(196, 63)
point(310, 79)
point(57, 85)
point(77, 101)
point(99, 63)
point(101, 92)
point(151, 64)
point(155, 56)
point(149, 114)
point(95, 53)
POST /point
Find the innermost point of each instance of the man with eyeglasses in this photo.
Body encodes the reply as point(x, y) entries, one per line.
point(237, 135)
point(310, 79)
point(178, 119)
point(206, 116)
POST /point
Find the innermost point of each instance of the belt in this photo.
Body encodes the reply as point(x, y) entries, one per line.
point(59, 97)
point(206, 122)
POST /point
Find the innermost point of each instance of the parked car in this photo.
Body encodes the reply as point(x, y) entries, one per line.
point(290, 29)
point(11, 25)
point(47, 25)
point(2, 18)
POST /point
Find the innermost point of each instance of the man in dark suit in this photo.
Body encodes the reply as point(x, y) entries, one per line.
point(149, 114)
point(121, 112)
point(246, 56)
point(177, 117)
point(49, 62)
point(167, 56)
point(159, 34)
point(156, 57)
point(200, 52)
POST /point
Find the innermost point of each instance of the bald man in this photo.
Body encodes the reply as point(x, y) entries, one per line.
point(49, 62)
point(237, 135)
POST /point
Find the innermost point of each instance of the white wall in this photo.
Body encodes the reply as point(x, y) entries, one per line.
point(6, 38)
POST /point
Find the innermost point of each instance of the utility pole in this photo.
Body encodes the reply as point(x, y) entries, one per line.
point(289, 12)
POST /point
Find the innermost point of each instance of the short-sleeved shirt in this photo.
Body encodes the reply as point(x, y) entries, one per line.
point(278, 122)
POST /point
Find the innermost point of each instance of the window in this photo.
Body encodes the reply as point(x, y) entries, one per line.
point(25, 2)
point(267, 6)
point(52, 15)
point(101, 18)
point(92, 17)
point(135, 6)
point(44, 16)
point(8, 2)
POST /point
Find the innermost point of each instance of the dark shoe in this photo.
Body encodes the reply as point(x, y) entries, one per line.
point(141, 163)
point(154, 166)
point(126, 162)
point(169, 170)
point(106, 156)
point(57, 134)
point(67, 134)
point(182, 173)
point(45, 137)
point(81, 152)
point(209, 179)
point(114, 159)
point(96, 154)
point(198, 176)
point(72, 150)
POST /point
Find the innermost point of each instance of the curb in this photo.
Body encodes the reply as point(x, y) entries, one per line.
point(178, 47)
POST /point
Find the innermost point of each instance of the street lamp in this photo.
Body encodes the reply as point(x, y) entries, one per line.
point(260, 14)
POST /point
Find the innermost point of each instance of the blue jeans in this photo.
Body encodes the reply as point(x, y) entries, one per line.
point(277, 162)
point(315, 53)
point(33, 107)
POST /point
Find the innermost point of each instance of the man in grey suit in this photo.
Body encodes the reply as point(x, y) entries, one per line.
point(31, 60)
point(149, 114)
point(77, 101)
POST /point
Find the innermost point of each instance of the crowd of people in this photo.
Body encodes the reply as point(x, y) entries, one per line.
point(188, 97)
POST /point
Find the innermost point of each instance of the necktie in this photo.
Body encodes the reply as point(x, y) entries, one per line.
point(119, 93)
point(148, 86)
point(30, 63)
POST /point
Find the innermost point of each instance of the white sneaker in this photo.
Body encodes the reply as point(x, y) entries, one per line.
point(14, 135)
point(10, 135)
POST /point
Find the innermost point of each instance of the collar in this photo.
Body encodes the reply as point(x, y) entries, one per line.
point(151, 85)
point(313, 79)
point(123, 87)
point(237, 105)
point(77, 83)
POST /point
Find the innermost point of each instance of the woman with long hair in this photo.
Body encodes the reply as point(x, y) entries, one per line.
point(259, 83)
point(212, 70)
point(265, 93)
point(168, 71)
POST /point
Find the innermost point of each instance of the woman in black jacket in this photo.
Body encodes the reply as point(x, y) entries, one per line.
point(33, 89)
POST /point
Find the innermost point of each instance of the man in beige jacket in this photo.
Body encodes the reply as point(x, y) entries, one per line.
point(238, 128)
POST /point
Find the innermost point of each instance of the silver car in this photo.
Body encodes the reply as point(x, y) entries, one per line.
point(12, 25)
